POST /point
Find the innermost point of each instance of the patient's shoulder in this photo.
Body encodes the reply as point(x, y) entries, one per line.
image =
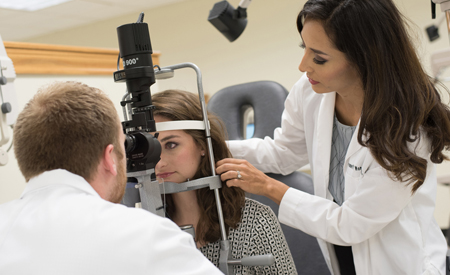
point(256, 211)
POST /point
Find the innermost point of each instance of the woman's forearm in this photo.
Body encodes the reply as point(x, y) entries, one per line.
point(275, 190)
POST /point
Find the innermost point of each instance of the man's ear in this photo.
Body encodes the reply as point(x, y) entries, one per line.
point(109, 160)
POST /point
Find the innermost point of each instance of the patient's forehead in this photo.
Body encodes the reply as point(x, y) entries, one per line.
point(157, 119)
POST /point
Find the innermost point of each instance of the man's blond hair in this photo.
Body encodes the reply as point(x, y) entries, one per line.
point(66, 125)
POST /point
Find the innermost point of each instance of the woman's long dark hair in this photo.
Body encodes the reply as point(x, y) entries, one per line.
point(400, 99)
point(182, 105)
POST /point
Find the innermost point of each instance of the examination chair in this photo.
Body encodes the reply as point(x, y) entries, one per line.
point(266, 98)
point(447, 264)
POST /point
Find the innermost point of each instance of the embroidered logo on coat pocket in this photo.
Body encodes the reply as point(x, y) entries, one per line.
point(354, 171)
point(354, 167)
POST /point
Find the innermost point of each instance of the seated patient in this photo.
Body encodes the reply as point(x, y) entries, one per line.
point(252, 228)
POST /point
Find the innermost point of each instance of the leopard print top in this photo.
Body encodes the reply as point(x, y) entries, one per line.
point(258, 233)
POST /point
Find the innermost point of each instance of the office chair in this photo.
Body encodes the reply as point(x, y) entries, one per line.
point(265, 97)
point(267, 100)
point(446, 233)
point(447, 265)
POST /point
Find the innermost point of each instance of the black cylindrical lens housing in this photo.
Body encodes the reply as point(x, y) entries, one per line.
point(136, 53)
point(134, 41)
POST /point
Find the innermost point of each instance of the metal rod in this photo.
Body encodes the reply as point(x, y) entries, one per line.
point(447, 15)
point(126, 115)
point(208, 138)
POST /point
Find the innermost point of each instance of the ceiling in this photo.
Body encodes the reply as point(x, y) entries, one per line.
point(23, 25)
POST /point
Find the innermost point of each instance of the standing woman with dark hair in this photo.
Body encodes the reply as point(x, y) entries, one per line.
point(371, 124)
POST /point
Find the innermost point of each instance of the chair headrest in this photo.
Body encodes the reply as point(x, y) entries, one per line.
point(265, 97)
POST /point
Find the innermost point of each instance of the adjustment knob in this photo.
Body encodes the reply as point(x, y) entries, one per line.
point(3, 80)
point(6, 108)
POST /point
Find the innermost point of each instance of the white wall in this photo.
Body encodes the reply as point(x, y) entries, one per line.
point(267, 50)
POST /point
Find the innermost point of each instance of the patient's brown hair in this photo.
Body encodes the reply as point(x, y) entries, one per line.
point(66, 125)
point(182, 105)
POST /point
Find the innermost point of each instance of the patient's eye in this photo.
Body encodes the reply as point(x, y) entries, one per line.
point(170, 145)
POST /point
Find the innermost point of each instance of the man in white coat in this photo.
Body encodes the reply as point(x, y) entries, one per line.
point(69, 147)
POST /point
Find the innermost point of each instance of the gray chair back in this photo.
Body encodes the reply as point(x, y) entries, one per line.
point(265, 97)
point(447, 263)
point(267, 100)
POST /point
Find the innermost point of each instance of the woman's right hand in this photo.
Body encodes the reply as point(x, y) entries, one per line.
point(242, 174)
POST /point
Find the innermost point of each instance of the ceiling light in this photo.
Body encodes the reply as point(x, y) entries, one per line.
point(29, 5)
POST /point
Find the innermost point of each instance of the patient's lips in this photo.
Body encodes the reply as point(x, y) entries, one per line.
point(164, 175)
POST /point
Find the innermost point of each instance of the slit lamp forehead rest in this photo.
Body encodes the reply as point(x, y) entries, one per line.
point(181, 125)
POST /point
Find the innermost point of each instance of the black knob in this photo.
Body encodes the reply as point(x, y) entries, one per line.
point(3, 80)
point(6, 108)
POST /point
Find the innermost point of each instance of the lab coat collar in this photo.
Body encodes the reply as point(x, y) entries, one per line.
point(58, 177)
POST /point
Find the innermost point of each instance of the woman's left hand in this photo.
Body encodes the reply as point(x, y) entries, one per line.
point(240, 173)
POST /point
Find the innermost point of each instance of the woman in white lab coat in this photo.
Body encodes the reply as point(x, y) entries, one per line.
point(370, 122)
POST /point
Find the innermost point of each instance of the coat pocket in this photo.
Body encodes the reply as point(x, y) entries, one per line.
point(354, 171)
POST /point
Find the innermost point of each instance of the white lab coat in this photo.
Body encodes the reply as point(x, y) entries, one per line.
point(390, 231)
point(60, 225)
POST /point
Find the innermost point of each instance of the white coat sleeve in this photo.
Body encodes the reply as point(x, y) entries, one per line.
point(377, 201)
point(359, 218)
point(174, 252)
point(287, 151)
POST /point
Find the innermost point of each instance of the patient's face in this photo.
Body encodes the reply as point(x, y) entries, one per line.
point(180, 155)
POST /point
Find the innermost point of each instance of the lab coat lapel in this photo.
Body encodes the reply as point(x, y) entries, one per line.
point(324, 128)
